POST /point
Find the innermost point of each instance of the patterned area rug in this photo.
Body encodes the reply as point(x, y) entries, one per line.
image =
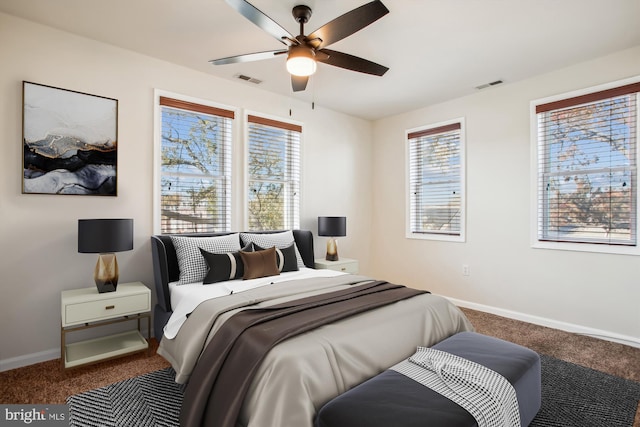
point(572, 396)
point(152, 399)
point(575, 396)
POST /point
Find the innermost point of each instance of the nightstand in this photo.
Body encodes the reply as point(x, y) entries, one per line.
point(86, 308)
point(346, 265)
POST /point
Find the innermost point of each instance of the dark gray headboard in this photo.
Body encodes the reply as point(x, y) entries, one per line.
point(165, 268)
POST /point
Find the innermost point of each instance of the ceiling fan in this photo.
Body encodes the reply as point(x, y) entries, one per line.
point(304, 51)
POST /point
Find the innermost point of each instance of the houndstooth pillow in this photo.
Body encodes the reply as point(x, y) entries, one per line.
point(279, 240)
point(193, 267)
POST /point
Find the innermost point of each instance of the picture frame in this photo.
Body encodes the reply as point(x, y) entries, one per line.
point(70, 142)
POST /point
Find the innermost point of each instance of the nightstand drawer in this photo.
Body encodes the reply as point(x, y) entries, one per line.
point(92, 311)
point(351, 267)
point(345, 265)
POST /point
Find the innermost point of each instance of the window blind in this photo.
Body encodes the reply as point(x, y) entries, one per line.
point(274, 174)
point(195, 167)
point(587, 148)
point(435, 180)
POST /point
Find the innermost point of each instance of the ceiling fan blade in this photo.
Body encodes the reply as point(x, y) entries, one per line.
point(299, 83)
point(256, 16)
point(350, 62)
point(347, 24)
point(248, 57)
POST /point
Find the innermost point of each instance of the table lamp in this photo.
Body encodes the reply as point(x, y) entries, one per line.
point(105, 237)
point(332, 227)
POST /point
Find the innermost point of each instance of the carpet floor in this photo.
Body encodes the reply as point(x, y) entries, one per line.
point(47, 383)
point(568, 400)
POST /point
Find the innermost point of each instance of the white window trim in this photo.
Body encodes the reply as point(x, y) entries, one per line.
point(157, 151)
point(568, 246)
point(463, 182)
point(245, 159)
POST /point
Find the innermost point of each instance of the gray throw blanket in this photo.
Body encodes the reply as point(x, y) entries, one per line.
point(484, 393)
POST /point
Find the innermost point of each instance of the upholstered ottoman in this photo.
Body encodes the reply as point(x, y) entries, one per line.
point(391, 399)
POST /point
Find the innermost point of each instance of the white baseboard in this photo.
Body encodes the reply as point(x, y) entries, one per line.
point(29, 359)
point(550, 323)
point(43, 356)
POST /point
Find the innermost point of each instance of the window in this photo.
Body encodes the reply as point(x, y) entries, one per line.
point(586, 168)
point(273, 200)
point(195, 178)
point(436, 182)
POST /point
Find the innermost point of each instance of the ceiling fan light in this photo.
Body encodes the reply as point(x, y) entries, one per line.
point(301, 62)
point(301, 66)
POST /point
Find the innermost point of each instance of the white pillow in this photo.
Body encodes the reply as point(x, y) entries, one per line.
point(279, 240)
point(193, 267)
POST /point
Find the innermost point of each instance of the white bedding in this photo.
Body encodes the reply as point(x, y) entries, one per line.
point(185, 298)
point(299, 375)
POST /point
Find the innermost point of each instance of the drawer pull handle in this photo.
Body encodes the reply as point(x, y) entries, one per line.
point(110, 307)
point(343, 268)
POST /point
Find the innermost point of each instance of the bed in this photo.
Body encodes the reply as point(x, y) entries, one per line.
point(300, 374)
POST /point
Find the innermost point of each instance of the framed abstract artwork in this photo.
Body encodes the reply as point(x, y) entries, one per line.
point(70, 142)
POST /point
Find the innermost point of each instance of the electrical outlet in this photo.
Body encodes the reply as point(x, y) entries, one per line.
point(465, 270)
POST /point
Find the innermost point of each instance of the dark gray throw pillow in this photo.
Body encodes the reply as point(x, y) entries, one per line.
point(222, 267)
point(285, 257)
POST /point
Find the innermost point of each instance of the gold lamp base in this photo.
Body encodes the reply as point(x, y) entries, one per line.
point(106, 273)
point(332, 249)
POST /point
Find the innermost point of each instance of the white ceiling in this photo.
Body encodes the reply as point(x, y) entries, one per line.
point(435, 49)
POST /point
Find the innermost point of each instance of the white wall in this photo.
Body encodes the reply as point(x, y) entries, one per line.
point(39, 255)
point(587, 292)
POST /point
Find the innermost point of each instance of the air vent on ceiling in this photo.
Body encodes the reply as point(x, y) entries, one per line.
point(248, 79)
point(486, 85)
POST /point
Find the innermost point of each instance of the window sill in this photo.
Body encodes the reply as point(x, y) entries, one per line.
point(588, 247)
point(437, 237)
